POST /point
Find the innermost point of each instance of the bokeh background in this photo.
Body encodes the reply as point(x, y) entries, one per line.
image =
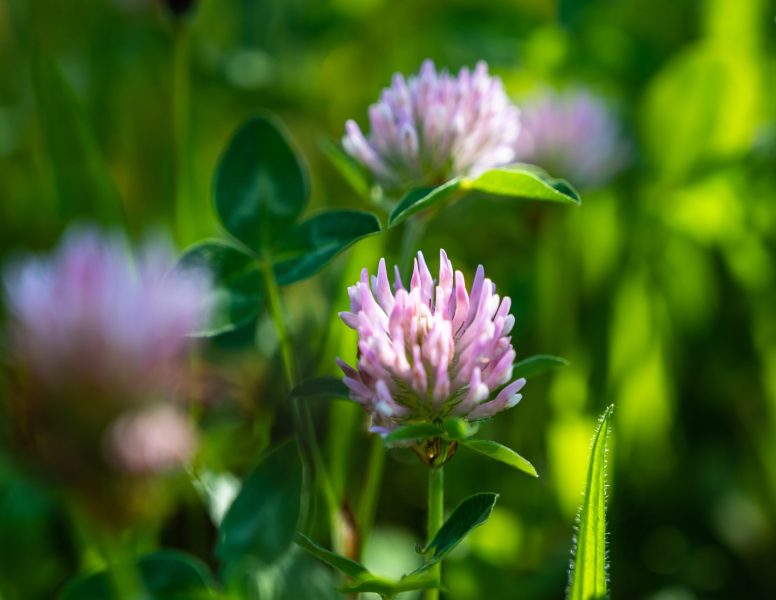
point(660, 289)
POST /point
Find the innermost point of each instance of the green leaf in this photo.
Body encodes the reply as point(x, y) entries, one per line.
point(361, 579)
point(536, 365)
point(342, 563)
point(310, 245)
point(353, 172)
point(321, 386)
point(413, 432)
point(387, 588)
point(296, 575)
point(470, 513)
point(261, 522)
point(84, 185)
point(419, 199)
point(501, 453)
point(587, 577)
point(260, 185)
point(166, 575)
point(237, 285)
point(459, 429)
point(523, 182)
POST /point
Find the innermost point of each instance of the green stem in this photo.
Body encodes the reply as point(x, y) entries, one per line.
point(185, 214)
point(374, 477)
point(303, 423)
point(414, 228)
point(122, 571)
point(276, 312)
point(436, 513)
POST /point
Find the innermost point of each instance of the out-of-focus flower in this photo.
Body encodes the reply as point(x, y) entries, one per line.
point(573, 135)
point(151, 441)
point(433, 351)
point(91, 316)
point(97, 332)
point(434, 126)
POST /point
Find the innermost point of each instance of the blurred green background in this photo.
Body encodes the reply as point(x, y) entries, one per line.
point(660, 289)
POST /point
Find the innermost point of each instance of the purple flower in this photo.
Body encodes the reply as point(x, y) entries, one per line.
point(432, 351)
point(573, 135)
point(434, 126)
point(93, 317)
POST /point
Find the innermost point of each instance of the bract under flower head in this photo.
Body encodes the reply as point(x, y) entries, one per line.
point(434, 126)
point(431, 351)
point(573, 135)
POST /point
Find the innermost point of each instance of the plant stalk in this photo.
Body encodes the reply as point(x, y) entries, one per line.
point(185, 214)
point(303, 423)
point(436, 513)
point(370, 496)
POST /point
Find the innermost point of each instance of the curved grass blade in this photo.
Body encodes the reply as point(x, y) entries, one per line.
point(317, 387)
point(537, 365)
point(83, 183)
point(587, 576)
point(343, 564)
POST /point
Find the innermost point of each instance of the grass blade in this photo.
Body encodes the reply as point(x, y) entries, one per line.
point(587, 576)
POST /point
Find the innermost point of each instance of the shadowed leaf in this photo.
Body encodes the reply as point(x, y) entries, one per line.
point(165, 575)
point(237, 291)
point(260, 185)
point(261, 522)
point(470, 513)
point(310, 245)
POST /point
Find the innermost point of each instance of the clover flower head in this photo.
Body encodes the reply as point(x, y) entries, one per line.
point(431, 351)
point(434, 126)
point(150, 441)
point(92, 316)
point(574, 135)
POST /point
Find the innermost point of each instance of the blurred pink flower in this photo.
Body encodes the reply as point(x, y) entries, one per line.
point(151, 441)
point(574, 135)
point(434, 126)
point(92, 316)
point(432, 351)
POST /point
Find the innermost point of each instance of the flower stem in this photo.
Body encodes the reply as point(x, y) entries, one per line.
point(303, 423)
point(368, 502)
point(122, 571)
point(276, 312)
point(436, 512)
point(180, 116)
point(414, 229)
